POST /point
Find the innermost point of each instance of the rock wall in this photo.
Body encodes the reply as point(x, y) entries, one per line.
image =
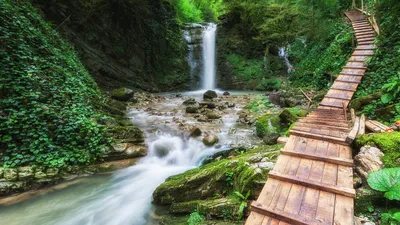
point(193, 34)
point(135, 44)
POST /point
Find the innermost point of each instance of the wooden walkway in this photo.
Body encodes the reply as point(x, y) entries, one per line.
point(312, 181)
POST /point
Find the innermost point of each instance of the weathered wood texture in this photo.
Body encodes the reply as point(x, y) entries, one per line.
point(312, 181)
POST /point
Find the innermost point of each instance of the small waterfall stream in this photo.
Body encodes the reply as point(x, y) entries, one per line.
point(209, 70)
point(283, 53)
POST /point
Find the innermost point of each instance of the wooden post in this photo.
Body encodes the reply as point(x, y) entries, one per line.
point(353, 115)
point(354, 4)
point(362, 5)
point(309, 99)
point(361, 129)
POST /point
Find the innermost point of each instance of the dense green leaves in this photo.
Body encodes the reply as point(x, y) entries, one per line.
point(189, 11)
point(386, 180)
point(47, 115)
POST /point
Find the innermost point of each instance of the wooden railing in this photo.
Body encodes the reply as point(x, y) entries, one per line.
point(369, 13)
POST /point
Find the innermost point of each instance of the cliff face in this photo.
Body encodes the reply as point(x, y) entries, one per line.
point(136, 44)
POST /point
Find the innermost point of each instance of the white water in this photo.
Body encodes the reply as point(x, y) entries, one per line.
point(283, 53)
point(209, 70)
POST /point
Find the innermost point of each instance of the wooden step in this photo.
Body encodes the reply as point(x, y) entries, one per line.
point(366, 42)
point(349, 81)
point(363, 29)
point(337, 140)
point(329, 120)
point(349, 192)
point(282, 215)
point(323, 158)
point(331, 105)
point(343, 89)
point(352, 74)
point(365, 35)
point(360, 26)
point(356, 67)
point(338, 97)
point(328, 127)
point(366, 39)
point(363, 54)
point(322, 122)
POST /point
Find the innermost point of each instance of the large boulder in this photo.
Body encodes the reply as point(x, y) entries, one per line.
point(246, 172)
point(210, 94)
point(128, 134)
point(269, 123)
point(368, 160)
point(122, 94)
point(271, 138)
point(210, 140)
point(211, 208)
point(194, 132)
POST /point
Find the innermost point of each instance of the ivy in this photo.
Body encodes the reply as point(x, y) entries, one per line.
point(47, 113)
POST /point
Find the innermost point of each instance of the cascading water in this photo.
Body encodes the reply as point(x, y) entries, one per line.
point(209, 71)
point(125, 199)
point(283, 53)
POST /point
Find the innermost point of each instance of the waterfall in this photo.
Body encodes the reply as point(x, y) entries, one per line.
point(283, 53)
point(209, 39)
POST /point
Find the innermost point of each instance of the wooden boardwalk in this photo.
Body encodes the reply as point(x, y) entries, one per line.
point(312, 181)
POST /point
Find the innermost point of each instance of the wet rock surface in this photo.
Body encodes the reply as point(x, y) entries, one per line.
point(368, 160)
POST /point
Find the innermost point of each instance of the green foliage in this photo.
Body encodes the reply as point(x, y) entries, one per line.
point(247, 69)
point(392, 217)
point(189, 11)
point(269, 84)
point(47, 114)
point(391, 90)
point(259, 104)
point(387, 142)
point(243, 203)
point(384, 66)
point(315, 62)
point(269, 123)
point(229, 178)
point(387, 181)
point(195, 218)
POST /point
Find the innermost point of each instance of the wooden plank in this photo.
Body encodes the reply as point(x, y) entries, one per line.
point(361, 129)
point(372, 127)
point(326, 207)
point(255, 219)
point(330, 159)
point(282, 140)
point(353, 115)
point(353, 133)
point(349, 192)
point(344, 212)
point(290, 218)
point(333, 127)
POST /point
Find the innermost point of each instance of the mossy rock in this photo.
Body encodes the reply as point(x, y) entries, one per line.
point(129, 134)
point(122, 94)
point(211, 208)
point(290, 115)
point(211, 179)
point(269, 123)
point(366, 198)
point(388, 143)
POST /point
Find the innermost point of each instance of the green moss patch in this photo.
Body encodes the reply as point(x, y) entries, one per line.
point(388, 143)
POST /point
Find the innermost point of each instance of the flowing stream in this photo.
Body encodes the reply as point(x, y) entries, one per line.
point(209, 39)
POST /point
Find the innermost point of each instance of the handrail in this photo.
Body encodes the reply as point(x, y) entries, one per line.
point(371, 16)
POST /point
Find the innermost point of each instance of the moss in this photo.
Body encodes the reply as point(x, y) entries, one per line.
point(267, 124)
point(388, 143)
point(216, 178)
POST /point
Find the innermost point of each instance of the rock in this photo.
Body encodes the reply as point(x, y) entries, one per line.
point(275, 98)
point(195, 132)
point(210, 94)
point(124, 151)
point(190, 101)
point(128, 134)
point(211, 208)
point(290, 115)
point(1, 172)
point(52, 172)
point(362, 221)
point(10, 174)
point(26, 173)
point(40, 175)
point(122, 94)
point(192, 109)
point(357, 181)
point(230, 104)
point(209, 105)
point(210, 179)
point(368, 160)
point(212, 115)
point(269, 123)
point(7, 188)
point(210, 140)
point(226, 93)
point(271, 138)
